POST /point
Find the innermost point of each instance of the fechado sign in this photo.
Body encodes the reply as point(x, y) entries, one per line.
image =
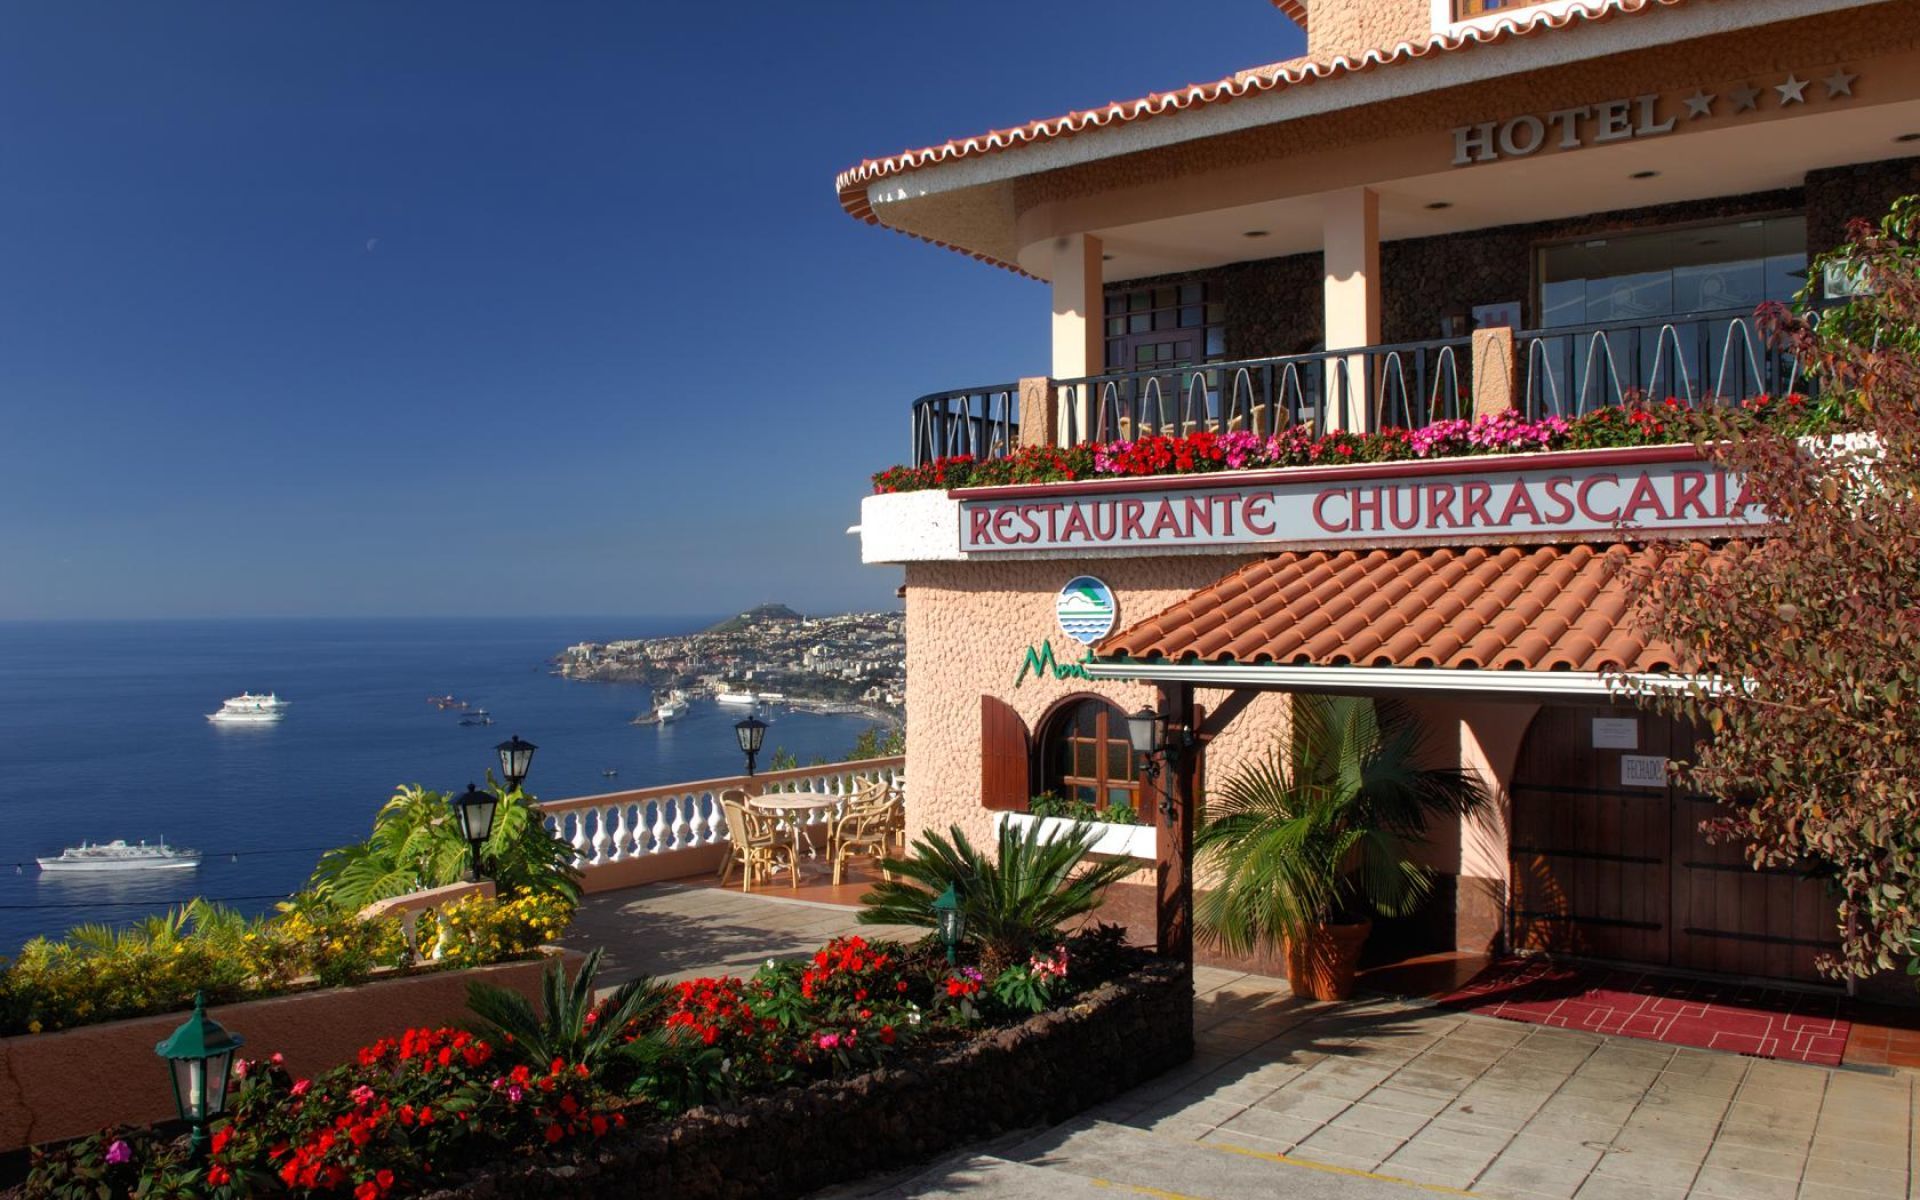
point(1646, 497)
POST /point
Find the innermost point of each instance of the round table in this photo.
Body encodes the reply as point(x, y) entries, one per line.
point(794, 808)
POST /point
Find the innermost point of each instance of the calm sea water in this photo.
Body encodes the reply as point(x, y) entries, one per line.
point(103, 734)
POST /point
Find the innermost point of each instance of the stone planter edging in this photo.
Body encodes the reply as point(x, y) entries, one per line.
point(74, 1082)
point(792, 1142)
point(1114, 840)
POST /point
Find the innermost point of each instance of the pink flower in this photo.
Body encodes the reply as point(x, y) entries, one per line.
point(300, 1086)
point(119, 1152)
point(829, 1041)
point(515, 1093)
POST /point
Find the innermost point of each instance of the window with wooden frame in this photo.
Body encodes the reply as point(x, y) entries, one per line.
point(1160, 328)
point(1085, 756)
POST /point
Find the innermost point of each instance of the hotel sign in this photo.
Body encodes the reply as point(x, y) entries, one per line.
point(1637, 494)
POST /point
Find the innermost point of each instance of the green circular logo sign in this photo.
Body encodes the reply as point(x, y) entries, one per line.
point(1086, 609)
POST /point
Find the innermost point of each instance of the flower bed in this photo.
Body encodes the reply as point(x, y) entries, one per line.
point(878, 1053)
point(1641, 424)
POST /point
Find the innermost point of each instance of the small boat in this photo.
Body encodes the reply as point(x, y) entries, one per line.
point(446, 701)
point(610, 772)
point(477, 716)
point(249, 709)
point(118, 856)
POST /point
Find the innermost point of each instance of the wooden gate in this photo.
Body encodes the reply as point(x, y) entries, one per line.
point(1608, 860)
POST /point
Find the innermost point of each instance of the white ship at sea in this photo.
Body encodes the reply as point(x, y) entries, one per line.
point(118, 856)
point(672, 708)
point(736, 699)
point(249, 709)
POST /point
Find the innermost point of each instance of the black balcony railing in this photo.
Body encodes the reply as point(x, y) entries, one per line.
point(1410, 385)
point(983, 422)
point(1697, 359)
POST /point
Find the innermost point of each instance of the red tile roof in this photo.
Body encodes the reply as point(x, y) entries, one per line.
point(1296, 10)
point(1298, 72)
point(1532, 608)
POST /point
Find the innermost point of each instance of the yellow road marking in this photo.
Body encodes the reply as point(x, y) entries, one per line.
point(1331, 1169)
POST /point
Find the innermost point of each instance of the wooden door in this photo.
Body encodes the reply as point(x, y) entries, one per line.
point(1589, 855)
point(1609, 861)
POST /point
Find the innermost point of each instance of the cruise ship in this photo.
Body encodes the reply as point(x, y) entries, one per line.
point(737, 699)
point(672, 708)
point(249, 709)
point(118, 856)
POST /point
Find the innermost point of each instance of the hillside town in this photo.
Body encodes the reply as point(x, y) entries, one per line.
point(848, 662)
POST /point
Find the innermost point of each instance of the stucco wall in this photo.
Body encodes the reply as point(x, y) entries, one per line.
point(1352, 26)
point(968, 629)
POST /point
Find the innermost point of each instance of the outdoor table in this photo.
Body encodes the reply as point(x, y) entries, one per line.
point(794, 808)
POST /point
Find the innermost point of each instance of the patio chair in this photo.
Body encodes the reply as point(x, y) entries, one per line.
point(867, 827)
point(756, 845)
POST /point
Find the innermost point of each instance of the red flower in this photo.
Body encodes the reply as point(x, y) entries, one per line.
point(553, 1133)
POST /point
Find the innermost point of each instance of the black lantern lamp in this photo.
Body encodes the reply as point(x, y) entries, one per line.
point(1146, 729)
point(200, 1056)
point(516, 757)
point(950, 922)
point(750, 733)
point(475, 810)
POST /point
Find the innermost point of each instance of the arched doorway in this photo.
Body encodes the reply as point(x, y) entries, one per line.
point(1608, 860)
point(1082, 753)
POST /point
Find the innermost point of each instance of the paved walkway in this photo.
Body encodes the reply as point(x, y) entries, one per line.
point(1372, 1098)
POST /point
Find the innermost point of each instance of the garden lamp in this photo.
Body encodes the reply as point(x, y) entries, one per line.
point(750, 733)
point(475, 810)
point(950, 921)
point(516, 757)
point(200, 1057)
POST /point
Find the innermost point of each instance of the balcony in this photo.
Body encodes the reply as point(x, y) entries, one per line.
point(1568, 372)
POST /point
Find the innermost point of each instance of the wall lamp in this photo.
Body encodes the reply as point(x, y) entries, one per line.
point(1157, 743)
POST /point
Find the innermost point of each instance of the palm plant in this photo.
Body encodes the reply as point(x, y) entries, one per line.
point(416, 844)
point(1319, 833)
point(1012, 906)
point(571, 1026)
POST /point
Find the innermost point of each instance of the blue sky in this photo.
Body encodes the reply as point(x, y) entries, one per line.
point(470, 308)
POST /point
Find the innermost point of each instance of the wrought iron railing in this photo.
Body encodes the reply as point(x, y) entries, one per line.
point(1409, 384)
point(1697, 359)
point(983, 422)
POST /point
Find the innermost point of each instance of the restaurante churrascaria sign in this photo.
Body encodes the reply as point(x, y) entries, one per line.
point(1654, 491)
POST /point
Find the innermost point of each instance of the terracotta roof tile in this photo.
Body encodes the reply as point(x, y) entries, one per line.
point(1511, 608)
point(852, 183)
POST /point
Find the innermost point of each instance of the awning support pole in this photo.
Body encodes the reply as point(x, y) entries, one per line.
point(1178, 785)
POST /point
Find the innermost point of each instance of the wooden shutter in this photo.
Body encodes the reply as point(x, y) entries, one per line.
point(1004, 757)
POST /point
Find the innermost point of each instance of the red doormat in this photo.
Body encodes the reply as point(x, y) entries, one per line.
point(1743, 1018)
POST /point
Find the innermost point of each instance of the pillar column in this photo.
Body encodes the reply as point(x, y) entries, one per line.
point(1351, 245)
point(1079, 313)
point(1179, 787)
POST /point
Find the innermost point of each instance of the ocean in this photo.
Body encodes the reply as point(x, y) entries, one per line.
point(103, 734)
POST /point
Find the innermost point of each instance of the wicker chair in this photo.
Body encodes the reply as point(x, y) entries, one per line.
point(756, 845)
point(868, 826)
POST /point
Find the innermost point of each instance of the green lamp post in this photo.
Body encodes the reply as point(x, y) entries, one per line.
point(200, 1057)
point(950, 921)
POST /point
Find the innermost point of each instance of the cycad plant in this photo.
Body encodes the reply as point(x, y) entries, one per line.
point(1318, 834)
point(1014, 904)
point(571, 1026)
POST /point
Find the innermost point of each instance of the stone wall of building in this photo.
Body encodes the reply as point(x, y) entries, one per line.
point(1839, 194)
point(1352, 27)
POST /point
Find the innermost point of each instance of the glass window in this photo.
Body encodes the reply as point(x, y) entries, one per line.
point(1672, 272)
point(1085, 755)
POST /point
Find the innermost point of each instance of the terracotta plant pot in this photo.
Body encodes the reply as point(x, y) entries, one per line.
point(1321, 961)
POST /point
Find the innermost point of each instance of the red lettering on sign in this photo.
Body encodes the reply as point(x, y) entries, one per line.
point(1103, 531)
point(1440, 505)
point(1199, 516)
point(1740, 503)
point(1412, 515)
point(1257, 503)
point(1366, 502)
point(1226, 502)
point(1168, 519)
point(1645, 495)
point(1319, 514)
point(1562, 510)
point(1473, 503)
point(1688, 487)
point(1076, 524)
point(1586, 504)
point(1130, 514)
point(981, 519)
point(1520, 500)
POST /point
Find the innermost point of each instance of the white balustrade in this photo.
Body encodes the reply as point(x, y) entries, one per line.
point(650, 822)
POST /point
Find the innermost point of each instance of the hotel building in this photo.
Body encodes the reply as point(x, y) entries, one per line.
point(1445, 207)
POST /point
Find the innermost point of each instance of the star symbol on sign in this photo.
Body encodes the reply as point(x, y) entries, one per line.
point(1700, 104)
point(1839, 83)
point(1745, 99)
point(1793, 91)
